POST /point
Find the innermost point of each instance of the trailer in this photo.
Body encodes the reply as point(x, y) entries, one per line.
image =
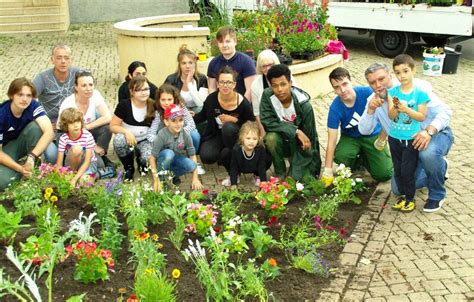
point(394, 27)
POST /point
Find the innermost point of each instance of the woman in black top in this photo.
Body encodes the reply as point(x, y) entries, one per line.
point(225, 111)
point(134, 69)
point(192, 84)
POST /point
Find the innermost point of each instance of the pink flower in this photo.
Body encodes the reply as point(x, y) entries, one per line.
point(274, 179)
point(106, 254)
point(262, 203)
point(274, 207)
point(69, 249)
point(330, 228)
point(294, 22)
point(317, 222)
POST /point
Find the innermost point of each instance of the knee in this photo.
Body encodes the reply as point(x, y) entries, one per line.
point(230, 128)
point(33, 131)
point(76, 151)
point(382, 175)
point(271, 140)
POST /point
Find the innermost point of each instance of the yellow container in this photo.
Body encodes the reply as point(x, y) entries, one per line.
point(202, 57)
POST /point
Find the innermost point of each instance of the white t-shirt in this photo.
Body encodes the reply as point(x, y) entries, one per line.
point(95, 102)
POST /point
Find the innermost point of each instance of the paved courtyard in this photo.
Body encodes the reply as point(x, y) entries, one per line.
point(392, 256)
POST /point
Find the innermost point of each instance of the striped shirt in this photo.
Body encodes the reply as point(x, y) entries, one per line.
point(85, 140)
point(158, 124)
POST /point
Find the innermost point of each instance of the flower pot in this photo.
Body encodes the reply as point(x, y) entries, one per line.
point(433, 64)
point(202, 57)
point(308, 56)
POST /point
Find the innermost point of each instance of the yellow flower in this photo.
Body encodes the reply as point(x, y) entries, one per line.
point(150, 270)
point(143, 236)
point(154, 237)
point(48, 191)
point(46, 196)
point(176, 273)
point(53, 198)
point(135, 233)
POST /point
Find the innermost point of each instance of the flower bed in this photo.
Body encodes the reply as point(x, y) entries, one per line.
point(129, 241)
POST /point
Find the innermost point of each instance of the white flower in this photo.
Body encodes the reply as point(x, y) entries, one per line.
point(285, 192)
point(299, 186)
point(358, 179)
point(177, 192)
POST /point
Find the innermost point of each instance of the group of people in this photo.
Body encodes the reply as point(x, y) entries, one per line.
point(242, 115)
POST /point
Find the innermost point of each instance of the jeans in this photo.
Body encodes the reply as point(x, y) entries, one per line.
point(196, 137)
point(431, 167)
point(168, 160)
point(51, 152)
point(404, 158)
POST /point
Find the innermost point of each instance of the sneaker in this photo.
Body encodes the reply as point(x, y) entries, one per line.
point(106, 172)
point(432, 205)
point(128, 176)
point(200, 169)
point(256, 180)
point(409, 206)
point(399, 203)
point(446, 175)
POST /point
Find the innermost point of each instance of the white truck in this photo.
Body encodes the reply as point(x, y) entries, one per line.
point(396, 26)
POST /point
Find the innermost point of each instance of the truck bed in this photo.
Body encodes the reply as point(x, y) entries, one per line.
point(420, 18)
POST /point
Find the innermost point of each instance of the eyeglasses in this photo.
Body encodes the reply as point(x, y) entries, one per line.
point(267, 66)
point(226, 83)
point(143, 90)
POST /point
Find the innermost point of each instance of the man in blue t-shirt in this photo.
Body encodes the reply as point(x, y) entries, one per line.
point(241, 63)
point(353, 149)
point(25, 130)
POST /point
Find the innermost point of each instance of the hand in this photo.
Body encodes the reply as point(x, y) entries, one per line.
point(401, 107)
point(157, 186)
point(131, 140)
point(228, 118)
point(196, 184)
point(25, 172)
point(375, 103)
point(73, 182)
point(190, 75)
point(380, 144)
point(327, 177)
point(99, 150)
point(421, 140)
point(305, 141)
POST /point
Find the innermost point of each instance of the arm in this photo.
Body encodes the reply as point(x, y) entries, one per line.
point(45, 124)
point(195, 182)
point(189, 124)
point(331, 147)
point(104, 118)
point(154, 172)
point(116, 127)
point(443, 114)
point(416, 115)
point(211, 85)
point(270, 120)
point(248, 84)
point(60, 160)
point(392, 110)
point(83, 168)
point(153, 130)
point(198, 95)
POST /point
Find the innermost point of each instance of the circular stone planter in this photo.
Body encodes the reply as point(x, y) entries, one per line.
point(156, 41)
point(312, 76)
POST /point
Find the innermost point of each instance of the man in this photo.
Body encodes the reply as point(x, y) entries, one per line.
point(433, 142)
point(288, 118)
point(53, 86)
point(25, 130)
point(241, 63)
point(353, 148)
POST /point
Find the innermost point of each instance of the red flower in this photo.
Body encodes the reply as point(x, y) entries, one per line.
point(205, 191)
point(274, 207)
point(106, 254)
point(272, 221)
point(36, 261)
point(330, 228)
point(111, 263)
point(217, 229)
point(133, 298)
point(80, 245)
point(273, 179)
point(90, 248)
point(69, 249)
point(342, 232)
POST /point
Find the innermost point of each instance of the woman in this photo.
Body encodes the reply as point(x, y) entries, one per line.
point(225, 111)
point(131, 121)
point(191, 84)
point(135, 68)
point(265, 60)
point(97, 115)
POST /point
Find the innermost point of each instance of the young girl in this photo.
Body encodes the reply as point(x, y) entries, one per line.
point(167, 95)
point(249, 156)
point(173, 150)
point(76, 147)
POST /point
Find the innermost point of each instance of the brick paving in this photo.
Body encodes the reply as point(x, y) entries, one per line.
point(392, 256)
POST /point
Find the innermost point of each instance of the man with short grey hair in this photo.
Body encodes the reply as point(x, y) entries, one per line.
point(53, 86)
point(433, 142)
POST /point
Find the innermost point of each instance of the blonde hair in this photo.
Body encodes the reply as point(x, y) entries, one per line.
point(248, 127)
point(184, 51)
point(266, 54)
point(69, 116)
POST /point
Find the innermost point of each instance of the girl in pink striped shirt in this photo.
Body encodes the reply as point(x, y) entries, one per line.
point(76, 148)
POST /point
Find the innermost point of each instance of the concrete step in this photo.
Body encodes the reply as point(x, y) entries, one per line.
point(31, 26)
point(11, 3)
point(32, 18)
point(12, 11)
point(25, 32)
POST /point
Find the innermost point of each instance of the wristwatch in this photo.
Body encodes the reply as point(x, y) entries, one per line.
point(430, 132)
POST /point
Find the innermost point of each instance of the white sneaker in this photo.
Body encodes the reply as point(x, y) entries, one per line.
point(446, 175)
point(226, 181)
point(200, 169)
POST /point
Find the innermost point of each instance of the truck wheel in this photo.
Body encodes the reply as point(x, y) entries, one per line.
point(390, 43)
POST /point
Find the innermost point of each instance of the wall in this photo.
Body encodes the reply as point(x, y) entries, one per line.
point(87, 11)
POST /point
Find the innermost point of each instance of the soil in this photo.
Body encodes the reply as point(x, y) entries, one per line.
point(291, 285)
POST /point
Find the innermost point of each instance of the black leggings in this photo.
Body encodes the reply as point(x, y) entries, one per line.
point(218, 148)
point(405, 160)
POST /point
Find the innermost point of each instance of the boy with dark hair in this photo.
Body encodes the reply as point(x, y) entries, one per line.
point(407, 107)
point(244, 66)
point(287, 116)
point(353, 148)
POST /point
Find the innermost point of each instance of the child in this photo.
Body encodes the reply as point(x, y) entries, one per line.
point(76, 147)
point(173, 150)
point(249, 156)
point(407, 106)
point(165, 96)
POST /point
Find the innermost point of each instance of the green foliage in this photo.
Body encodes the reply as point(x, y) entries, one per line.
point(326, 207)
point(261, 240)
point(228, 202)
point(176, 207)
point(146, 256)
point(311, 262)
point(26, 196)
point(37, 248)
point(78, 298)
point(249, 282)
point(90, 270)
point(48, 220)
point(213, 16)
point(9, 223)
point(345, 187)
point(153, 286)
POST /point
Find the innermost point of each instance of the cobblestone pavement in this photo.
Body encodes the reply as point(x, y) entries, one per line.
point(393, 256)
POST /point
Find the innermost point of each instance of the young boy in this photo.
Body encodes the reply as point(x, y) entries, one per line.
point(173, 150)
point(407, 106)
point(76, 147)
point(244, 66)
